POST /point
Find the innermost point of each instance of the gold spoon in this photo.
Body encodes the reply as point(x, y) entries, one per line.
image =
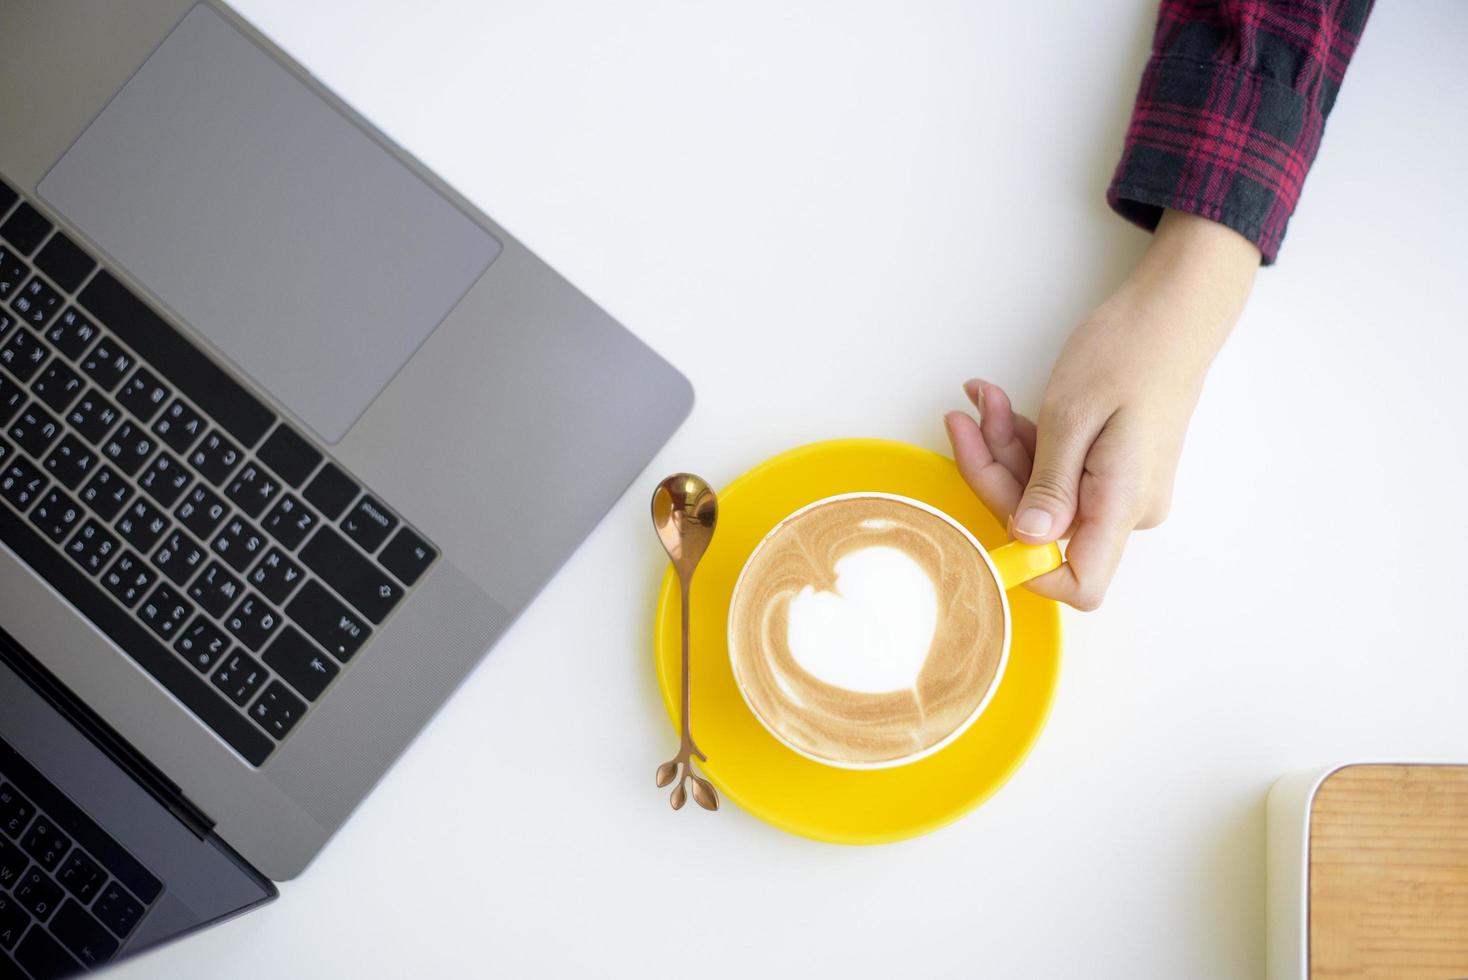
point(684, 509)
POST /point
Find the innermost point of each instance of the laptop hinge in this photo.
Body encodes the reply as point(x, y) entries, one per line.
point(102, 735)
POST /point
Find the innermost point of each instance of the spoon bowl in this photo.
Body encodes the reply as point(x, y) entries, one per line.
point(684, 511)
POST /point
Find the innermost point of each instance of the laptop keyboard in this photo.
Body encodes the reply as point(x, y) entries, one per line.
point(70, 895)
point(214, 544)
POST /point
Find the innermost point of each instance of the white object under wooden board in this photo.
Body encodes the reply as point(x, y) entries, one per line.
point(1368, 873)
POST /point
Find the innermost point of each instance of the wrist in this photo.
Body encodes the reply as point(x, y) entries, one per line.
point(1184, 237)
point(1199, 271)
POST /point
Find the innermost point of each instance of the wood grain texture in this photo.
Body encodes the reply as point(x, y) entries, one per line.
point(1389, 873)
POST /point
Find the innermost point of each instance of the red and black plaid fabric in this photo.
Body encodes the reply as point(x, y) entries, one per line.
point(1231, 108)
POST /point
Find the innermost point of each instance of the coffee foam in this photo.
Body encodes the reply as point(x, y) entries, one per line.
point(866, 630)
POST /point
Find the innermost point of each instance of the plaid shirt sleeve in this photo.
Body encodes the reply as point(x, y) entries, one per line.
point(1231, 108)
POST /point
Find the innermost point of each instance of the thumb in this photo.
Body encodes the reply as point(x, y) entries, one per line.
point(1052, 496)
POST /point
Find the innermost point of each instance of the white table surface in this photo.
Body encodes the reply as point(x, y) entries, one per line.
point(828, 215)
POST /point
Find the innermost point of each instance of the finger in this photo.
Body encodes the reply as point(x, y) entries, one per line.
point(1091, 560)
point(1052, 495)
point(1024, 430)
point(997, 422)
point(1095, 548)
point(989, 479)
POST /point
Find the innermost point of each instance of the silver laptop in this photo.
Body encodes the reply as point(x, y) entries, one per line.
point(289, 434)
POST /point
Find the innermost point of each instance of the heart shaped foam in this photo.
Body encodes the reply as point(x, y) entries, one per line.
point(873, 633)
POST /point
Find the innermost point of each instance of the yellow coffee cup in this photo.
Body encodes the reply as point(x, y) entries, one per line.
point(841, 650)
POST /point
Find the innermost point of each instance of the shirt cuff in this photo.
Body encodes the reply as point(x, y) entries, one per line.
point(1220, 142)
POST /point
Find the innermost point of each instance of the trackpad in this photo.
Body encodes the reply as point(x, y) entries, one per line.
point(301, 248)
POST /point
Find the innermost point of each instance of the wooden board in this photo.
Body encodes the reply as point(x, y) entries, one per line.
point(1389, 873)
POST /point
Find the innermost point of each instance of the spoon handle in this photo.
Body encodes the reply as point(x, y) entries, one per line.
point(686, 728)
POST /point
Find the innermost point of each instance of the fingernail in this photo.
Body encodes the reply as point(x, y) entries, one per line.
point(1034, 522)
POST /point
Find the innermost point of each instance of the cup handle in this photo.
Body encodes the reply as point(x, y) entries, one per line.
point(1019, 562)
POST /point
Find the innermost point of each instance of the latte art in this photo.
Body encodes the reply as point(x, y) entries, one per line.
point(871, 634)
point(866, 630)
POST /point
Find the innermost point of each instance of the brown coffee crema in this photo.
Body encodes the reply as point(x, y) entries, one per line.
point(853, 727)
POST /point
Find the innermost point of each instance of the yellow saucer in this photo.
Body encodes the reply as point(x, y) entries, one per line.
point(783, 788)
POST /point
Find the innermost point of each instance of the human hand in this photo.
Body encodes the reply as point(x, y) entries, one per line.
point(1100, 462)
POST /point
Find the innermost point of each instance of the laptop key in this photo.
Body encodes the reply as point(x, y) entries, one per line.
point(93, 417)
point(301, 663)
point(289, 522)
point(179, 426)
point(12, 397)
point(127, 579)
point(44, 842)
point(239, 677)
point(407, 556)
point(238, 543)
point(22, 355)
point(201, 510)
point(129, 447)
point(331, 491)
point(72, 333)
point(277, 710)
point(252, 489)
point(215, 458)
point(15, 812)
point(165, 479)
point(13, 920)
point(117, 909)
point(141, 524)
point(37, 892)
point(13, 270)
point(165, 612)
point(202, 644)
point(57, 385)
point(56, 515)
point(93, 547)
point(71, 462)
point(328, 621)
point(66, 264)
point(36, 303)
point(81, 876)
point(25, 228)
point(107, 364)
point(21, 483)
point(106, 493)
point(12, 862)
point(82, 935)
point(178, 558)
point(43, 957)
point(143, 395)
point(215, 589)
point(276, 576)
point(252, 622)
point(369, 523)
point(290, 456)
point(34, 430)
